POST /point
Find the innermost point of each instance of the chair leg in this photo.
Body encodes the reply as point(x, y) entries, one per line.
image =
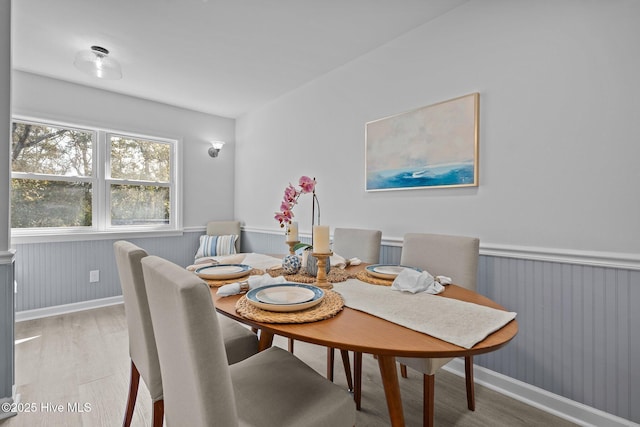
point(357, 378)
point(330, 361)
point(347, 368)
point(291, 345)
point(468, 373)
point(403, 370)
point(158, 413)
point(133, 394)
point(429, 389)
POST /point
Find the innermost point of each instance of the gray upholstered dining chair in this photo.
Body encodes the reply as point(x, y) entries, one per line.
point(456, 257)
point(365, 245)
point(220, 228)
point(272, 388)
point(240, 342)
point(357, 242)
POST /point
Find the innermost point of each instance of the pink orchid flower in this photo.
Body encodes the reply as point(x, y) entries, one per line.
point(285, 206)
point(290, 194)
point(283, 217)
point(307, 184)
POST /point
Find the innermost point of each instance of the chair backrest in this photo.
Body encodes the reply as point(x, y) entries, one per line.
point(222, 228)
point(195, 373)
point(442, 255)
point(142, 342)
point(355, 242)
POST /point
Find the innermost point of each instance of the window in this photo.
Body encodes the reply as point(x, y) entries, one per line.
point(140, 181)
point(67, 179)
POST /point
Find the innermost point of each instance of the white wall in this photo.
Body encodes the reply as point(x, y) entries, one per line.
point(559, 102)
point(208, 183)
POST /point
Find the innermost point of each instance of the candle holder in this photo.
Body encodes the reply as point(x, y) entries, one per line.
point(321, 276)
point(292, 244)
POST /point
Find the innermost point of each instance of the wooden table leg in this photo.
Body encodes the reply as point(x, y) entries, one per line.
point(265, 341)
point(330, 360)
point(387, 365)
point(347, 368)
point(357, 379)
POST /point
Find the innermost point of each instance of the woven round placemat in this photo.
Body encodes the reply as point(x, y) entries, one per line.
point(331, 305)
point(335, 275)
point(366, 277)
point(217, 283)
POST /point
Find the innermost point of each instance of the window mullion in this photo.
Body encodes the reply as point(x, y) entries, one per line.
point(136, 182)
point(47, 177)
point(101, 191)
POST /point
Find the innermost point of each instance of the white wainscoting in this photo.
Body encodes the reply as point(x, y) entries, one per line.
point(578, 323)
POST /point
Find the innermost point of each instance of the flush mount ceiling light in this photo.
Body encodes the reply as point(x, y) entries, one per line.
point(96, 62)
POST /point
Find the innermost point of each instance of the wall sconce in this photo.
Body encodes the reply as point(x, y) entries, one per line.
point(215, 148)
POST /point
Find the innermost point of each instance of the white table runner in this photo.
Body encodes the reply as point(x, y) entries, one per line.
point(458, 322)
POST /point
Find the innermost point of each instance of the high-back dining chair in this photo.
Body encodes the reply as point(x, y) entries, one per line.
point(365, 245)
point(222, 228)
point(272, 388)
point(240, 342)
point(142, 344)
point(456, 257)
point(357, 242)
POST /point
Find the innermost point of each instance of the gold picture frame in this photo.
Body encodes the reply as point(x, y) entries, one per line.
point(434, 146)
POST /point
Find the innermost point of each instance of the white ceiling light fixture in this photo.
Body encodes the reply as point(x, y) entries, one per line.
point(96, 62)
point(215, 148)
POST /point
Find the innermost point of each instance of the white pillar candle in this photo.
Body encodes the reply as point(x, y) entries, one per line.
point(321, 239)
point(292, 232)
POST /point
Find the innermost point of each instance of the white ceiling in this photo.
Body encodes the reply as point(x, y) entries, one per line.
point(223, 57)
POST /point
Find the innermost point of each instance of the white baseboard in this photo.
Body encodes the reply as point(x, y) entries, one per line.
point(67, 308)
point(562, 407)
point(15, 398)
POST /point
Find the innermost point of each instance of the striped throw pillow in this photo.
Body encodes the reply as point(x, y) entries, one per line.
point(217, 245)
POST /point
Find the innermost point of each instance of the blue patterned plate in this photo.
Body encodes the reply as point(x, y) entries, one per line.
point(223, 271)
point(285, 297)
point(387, 271)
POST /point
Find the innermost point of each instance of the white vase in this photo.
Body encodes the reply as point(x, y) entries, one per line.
point(310, 263)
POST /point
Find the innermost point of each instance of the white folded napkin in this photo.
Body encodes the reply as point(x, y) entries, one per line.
point(410, 280)
point(337, 261)
point(215, 260)
point(341, 262)
point(251, 283)
point(221, 259)
point(202, 262)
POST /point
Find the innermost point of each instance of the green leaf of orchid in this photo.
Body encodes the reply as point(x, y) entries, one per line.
point(300, 246)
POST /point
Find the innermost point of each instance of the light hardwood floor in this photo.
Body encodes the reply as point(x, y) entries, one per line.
point(82, 358)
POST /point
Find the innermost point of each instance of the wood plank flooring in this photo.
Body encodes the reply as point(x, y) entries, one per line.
point(82, 359)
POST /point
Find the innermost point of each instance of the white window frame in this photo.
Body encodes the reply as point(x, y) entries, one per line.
point(101, 181)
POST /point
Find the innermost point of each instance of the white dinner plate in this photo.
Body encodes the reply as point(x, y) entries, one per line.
point(223, 271)
point(285, 297)
point(387, 271)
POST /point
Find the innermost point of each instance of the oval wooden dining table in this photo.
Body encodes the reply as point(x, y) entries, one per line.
point(357, 331)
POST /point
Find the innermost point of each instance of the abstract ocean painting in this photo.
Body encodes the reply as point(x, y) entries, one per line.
point(433, 146)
